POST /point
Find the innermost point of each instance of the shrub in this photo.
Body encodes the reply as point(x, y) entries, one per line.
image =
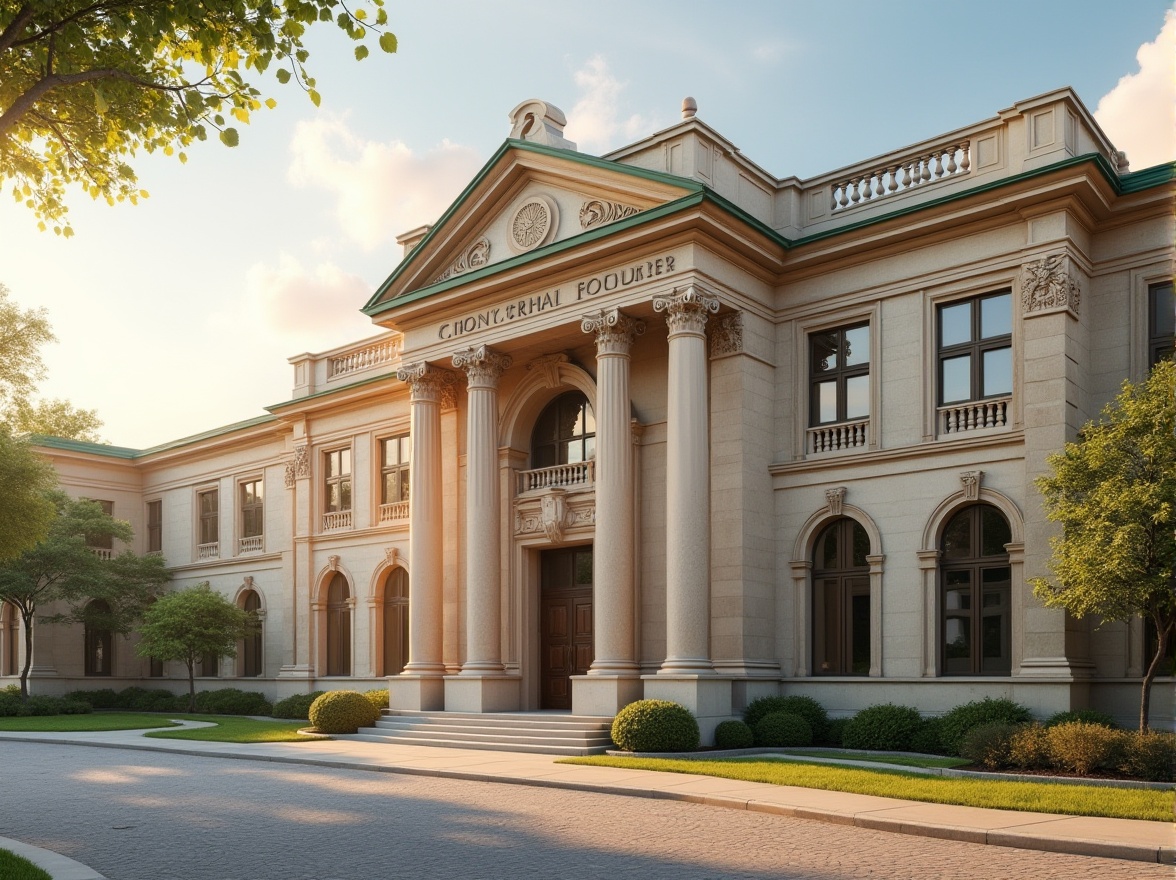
point(733, 734)
point(297, 706)
point(100, 699)
point(1082, 748)
point(154, 700)
point(989, 745)
point(1150, 755)
point(232, 701)
point(927, 739)
point(378, 698)
point(963, 718)
point(655, 726)
point(885, 727)
point(10, 705)
point(835, 732)
point(1086, 716)
point(42, 706)
point(783, 729)
point(342, 712)
point(806, 707)
point(1029, 748)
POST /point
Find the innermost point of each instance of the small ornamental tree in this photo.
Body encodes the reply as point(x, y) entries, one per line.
point(25, 509)
point(1114, 493)
point(191, 623)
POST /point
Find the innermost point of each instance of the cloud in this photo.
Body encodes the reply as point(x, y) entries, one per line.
point(1139, 113)
point(595, 122)
point(381, 188)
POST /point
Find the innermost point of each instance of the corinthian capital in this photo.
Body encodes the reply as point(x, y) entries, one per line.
point(483, 366)
point(615, 331)
point(427, 382)
point(686, 309)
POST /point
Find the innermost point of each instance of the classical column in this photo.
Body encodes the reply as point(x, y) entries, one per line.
point(483, 367)
point(421, 686)
point(687, 483)
point(614, 547)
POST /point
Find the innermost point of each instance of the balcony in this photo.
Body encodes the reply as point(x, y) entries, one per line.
point(208, 551)
point(397, 510)
point(836, 438)
point(974, 415)
point(252, 544)
point(579, 476)
point(336, 520)
point(102, 552)
point(330, 369)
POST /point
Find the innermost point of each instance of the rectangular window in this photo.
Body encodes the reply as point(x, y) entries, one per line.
point(1161, 322)
point(252, 509)
point(976, 348)
point(208, 505)
point(101, 542)
point(394, 458)
point(154, 526)
point(839, 375)
point(338, 480)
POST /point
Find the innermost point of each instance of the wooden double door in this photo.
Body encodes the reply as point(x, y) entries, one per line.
point(565, 615)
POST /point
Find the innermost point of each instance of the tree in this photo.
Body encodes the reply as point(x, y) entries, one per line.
point(190, 624)
point(54, 418)
point(1114, 493)
point(63, 568)
point(88, 83)
point(25, 511)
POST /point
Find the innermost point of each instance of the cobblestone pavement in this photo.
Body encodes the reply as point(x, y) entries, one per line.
point(156, 816)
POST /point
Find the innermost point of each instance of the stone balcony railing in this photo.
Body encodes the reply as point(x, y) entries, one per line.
point(833, 438)
point(393, 511)
point(330, 369)
point(336, 520)
point(974, 415)
point(208, 551)
point(581, 475)
point(922, 169)
point(363, 359)
point(252, 544)
point(102, 552)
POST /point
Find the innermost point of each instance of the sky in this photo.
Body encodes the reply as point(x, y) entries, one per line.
point(178, 315)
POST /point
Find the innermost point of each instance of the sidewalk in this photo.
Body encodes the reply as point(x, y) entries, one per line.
point(1107, 838)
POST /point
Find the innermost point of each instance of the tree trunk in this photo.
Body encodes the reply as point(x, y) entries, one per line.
point(191, 685)
point(27, 620)
point(1152, 669)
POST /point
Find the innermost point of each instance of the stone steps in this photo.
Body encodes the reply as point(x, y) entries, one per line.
point(532, 732)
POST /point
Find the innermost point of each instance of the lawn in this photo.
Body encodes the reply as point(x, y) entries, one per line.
point(900, 760)
point(13, 867)
point(237, 730)
point(229, 728)
point(1040, 797)
point(80, 723)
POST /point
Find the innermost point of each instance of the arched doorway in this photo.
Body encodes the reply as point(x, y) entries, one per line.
point(395, 622)
point(251, 659)
point(338, 626)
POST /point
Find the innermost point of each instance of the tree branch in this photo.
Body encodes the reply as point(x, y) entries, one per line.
point(8, 37)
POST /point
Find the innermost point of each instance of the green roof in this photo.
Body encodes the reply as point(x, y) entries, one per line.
point(127, 453)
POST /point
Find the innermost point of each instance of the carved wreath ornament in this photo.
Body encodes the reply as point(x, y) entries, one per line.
point(533, 224)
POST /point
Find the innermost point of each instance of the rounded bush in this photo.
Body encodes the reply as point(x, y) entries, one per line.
point(378, 698)
point(927, 739)
point(233, 701)
point(963, 718)
point(1082, 748)
point(342, 712)
point(1087, 716)
point(105, 698)
point(140, 699)
point(10, 705)
point(806, 707)
point(655, 726)
point(835, 732)
point(1029, 748)
point(296, 707)
point(782, 730)
point(1150, 755)
point(884, 728)
point(989, 745)
point(733, 735)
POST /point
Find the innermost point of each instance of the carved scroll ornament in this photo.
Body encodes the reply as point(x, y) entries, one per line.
point(476, 255)
point(597, 212)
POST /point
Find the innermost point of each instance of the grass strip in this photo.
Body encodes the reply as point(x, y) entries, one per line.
point(900, 760)
point(237, 730)
point(13, 867)
point(83, 723)
point(1037, 797)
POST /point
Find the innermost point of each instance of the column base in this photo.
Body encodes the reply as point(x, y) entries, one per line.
point(707, 696)
point(417, 693)
point(41, 670)
point(481, 694)
point(604, 694)
point(300, 670)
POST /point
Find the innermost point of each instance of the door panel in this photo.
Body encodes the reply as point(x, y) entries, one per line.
point(565, 616)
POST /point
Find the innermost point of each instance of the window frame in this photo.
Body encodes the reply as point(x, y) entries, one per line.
point(340, 479)
point(204, 518)
point(400, 469)
point(154, 530)
point(976, 564)
point(560, 443)
point(975, 347)
point(853, 581)
point(1159, 345)
point(255, 508)
point(841, 375)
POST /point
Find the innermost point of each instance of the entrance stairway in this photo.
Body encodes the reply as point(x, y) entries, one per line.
point(546, 733)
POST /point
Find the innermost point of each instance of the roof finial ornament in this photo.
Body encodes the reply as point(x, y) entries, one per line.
point(540, 123)
point(689, 108)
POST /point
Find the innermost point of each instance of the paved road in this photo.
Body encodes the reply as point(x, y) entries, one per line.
point(156, 816)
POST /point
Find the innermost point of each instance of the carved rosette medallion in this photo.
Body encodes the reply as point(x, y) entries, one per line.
point(971, 481)
point(686, 309)
point(596, 212)
point(428, 383)
point(301, 461)
point(835, 498)
point(1046, 285)
point(726, 335)
point(483, 366)
point(473, 257)
point(534, 223)
point(615, 331)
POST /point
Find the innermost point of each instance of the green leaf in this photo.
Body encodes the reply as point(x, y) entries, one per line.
point(283, 75)
point(388, 42)
point(229, 137)
point(315, 97)
point(100, 105)
point(361, 52)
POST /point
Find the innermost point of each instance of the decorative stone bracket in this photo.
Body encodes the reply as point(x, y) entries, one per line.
point(1048, 286)
point(835, 498)
point(554, 513)
point(971, 481)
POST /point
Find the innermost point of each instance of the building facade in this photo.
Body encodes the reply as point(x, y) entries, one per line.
point(661, 424)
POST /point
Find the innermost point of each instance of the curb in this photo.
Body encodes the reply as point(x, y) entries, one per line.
point(59, 867)
point(1165, 855)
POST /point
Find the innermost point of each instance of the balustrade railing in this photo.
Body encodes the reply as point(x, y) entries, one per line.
point(363, 359)
point(974, 415)
point(948, 161)
point(393, 511)
point(339, 519)
point(208, 551)
point(848, 435)
point(102, 552)
point(252, 544)
point(582, 473)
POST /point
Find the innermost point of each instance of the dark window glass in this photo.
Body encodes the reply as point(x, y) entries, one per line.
point(338, 627)
point(99, 641)
point(1161, 307)
point(209, 516)
point(251, 665)
point(565, 432)
point(252, 509)
point(975, 593)
point(155, 527)
point(395, 622)
point(841, 600)
point(338, 480)
point(394, 462)
point(839, 374)
point(975, 348)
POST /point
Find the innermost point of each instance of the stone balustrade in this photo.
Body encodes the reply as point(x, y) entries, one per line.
point(561, 476)
point(948, 161)
point(394, 511)
point(252, 544)
point(208, 551)
point(974, 415)
point(831, 438)
point(102, 552)
point(336, 520)
point(363, 359)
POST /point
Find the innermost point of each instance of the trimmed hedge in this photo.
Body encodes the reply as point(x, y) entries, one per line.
point(296, 707)
point(655, 726)
point(806, 707)
point(928, 739)
point(233, 701)
point(733, 734)
point(884, 728)
point(989, 745)
point(342, 712)
point(12, 706)
point(782, 730)
point(961, 719)
point(378, 698)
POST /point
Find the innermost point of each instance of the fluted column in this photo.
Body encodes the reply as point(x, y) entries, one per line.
point(426, 531)
point(687, 483)
point(483, 367)
point(614, 547)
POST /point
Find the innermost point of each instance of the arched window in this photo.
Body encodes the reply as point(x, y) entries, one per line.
point(99, 643)
point(338, 627)
point(841, 600)
point(975, 593)
point(565, 432)
point(251, 665)
point(395, 621)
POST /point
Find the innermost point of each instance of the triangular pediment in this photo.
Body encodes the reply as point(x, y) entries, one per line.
point(525, 199)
